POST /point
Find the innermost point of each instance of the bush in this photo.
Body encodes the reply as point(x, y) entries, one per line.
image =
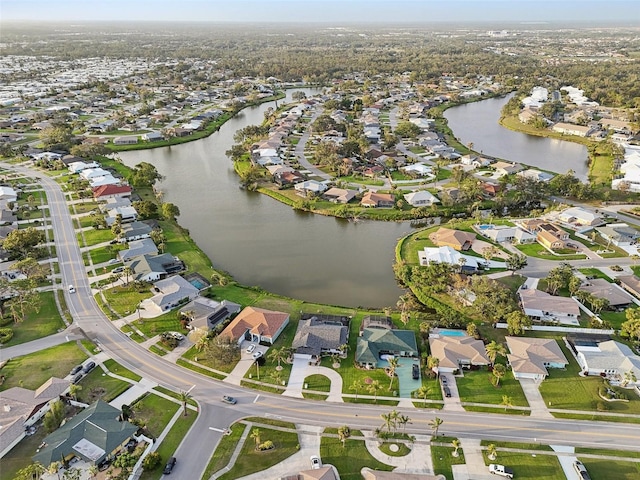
point(268, 445)
point(151, 461)
point(4, 321)
point(6, 334)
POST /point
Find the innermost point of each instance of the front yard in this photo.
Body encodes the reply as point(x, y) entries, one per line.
point(476, 387)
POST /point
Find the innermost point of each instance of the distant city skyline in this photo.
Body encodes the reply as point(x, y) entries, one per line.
point(327, 11)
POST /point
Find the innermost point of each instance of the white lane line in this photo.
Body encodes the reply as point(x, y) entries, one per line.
point(255, 400)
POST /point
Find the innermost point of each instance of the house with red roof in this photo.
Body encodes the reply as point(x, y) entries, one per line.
point(104, 192)
point(256, 325)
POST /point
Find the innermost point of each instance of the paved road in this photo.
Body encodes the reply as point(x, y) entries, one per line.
point(200, 442)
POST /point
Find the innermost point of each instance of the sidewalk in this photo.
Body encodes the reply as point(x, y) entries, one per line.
point(534, 397)
point(474, 468)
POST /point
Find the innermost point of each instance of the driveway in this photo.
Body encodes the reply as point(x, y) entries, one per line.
point(536, 402)
point(301, 370)
point(566, 461)
point(451, 403)
point(245, 363)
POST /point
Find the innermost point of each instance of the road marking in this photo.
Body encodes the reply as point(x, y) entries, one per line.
point(221, 430)
point(255, 400)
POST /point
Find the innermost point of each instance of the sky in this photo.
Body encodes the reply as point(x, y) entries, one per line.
point(326, 11)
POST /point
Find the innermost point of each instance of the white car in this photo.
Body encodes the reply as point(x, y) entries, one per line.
point(315, 462)
point(72, 289)
point(251, 348)
point(177, 335)
point(256, 355)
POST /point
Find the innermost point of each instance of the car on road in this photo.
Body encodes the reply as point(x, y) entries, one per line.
point(315, 462)
point(72, 289)
point(169, 466)
point(229, 400)
point(118, 270)
point(113, 260)
point(415, 371)
point(581, 470)
point(251, 348)
point(75, 370)
point(256, 355)
point(501, 470)
point(88, 367)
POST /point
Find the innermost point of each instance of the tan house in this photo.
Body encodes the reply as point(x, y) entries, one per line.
point(542, 307)
point(378, 200)
point(455, 353)
point(531, 357)
point(446, 237)
point(616, 296)
point(256, 325)
point(549, 240)
point(631, 284)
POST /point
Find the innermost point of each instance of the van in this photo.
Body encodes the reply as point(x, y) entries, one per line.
point(415, 371)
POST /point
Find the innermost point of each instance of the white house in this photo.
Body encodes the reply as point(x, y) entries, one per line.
point(542, 307)
point(531, 357)
point(580, 216)
point(77, 167)
point(8, 195)
point(172, 292)
point(419, 169)
point(421, 198)
point(310, 187)
point(448, 255)
point(90, 173)
point(611, 359)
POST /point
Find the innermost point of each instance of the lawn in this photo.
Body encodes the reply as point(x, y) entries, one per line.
point(224, 450)
point(20, 455)
point(564, 389)
point(350, 459)
point(317, 382)
point(38, 325)
point(252, 461)
point(443, 458)
point(538, 251)
point(594, 273)
point(97, 385)
point(529, 466)
point(163, 323)
point(155, 412)
point(104, 254)
point(476, 387)
point(618, 469)
point(115, 367)
point(93, 237)
point(31, 371)
point(124, 299)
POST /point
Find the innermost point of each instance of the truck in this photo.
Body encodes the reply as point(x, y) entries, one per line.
point(501, 470)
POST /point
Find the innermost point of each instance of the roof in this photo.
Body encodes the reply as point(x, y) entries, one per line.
point(600, 288)
point(374, 340)
point(446, 255)
point(368, 474)
point(258, 321)
point(528, 355)
point(579, 214)
point(630, 281)
point(138, 247)
point(172, 290)
point(340, 194)
point(206, 313)
point(92, 435)
point(314, 335)
point(533, 299)
point(453, 238)
point(452, 350)
point(420, 196)
point(111, 189)
point(375, 198)
point(322, 473)
point(611, 355)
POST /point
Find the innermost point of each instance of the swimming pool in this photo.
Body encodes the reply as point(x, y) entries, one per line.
point(199, 284)
point(485, 227)
point(445, 332)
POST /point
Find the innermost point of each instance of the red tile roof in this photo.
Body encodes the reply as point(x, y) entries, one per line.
point(258, 321)
point(106, 190)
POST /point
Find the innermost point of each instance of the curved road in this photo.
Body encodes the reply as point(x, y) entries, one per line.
point(197, 447)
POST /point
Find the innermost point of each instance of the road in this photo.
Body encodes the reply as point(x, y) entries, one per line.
point(198, 445)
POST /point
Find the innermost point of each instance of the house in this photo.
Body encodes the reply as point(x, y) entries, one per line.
point(616, 296)
point(549, 240)
point(419, 169)
point(339, 195)
point(369, 474)
point(136, 248)
point(532, 224)
point(580, 216)
point(572, 129)
point(285, 178)
point(205, 314)
point(631, 284)
point(126, 140)
point(105, 192)
point(127, 215)
point(457, 352)
point(150, 268)
point(103, 180)
point(376, 321)
point(504, 168)
point(501, 233)
point(8, 195)
point(135, 231)
point(542, 307)
point(522, 236)
point(95, 434)
point(450, 256)
point(89, 173)
point(536, 175)
point(377, 200)
point(620, 234)
point(376, 343)
point(455, 239)
point(77, 167)
point(151, 137)
point(310, 187)
point(172, 292)
point(22, 408)
point(319, 335)
point(609, 359)
point(421, 198)
point(490, 189)
point(256, 325)
point(531, 357)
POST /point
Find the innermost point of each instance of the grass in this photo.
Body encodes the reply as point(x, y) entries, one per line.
point(252, 461)
point(20, 455)
point(403, 450)
point(317, 382)
point(38, 325)
point(153, 326)
point(529, 466)
point(200, 370)
point(599, 418)
point(93, 237)
point(175, 395)
point(124, 299)
point(155, 412)
point(31, 371)
point(443, 458)
point(607, 452)
point(523, 446)
point(538, 251)
point(476, 387)
point(350, 459)
point(97, 385)
point(595, 273)
point(499, 410)
point(115, 367)
point(223, 452)
point(618, 469)
point(104, 254)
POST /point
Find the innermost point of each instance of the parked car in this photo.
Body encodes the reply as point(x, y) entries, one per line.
point(443, 379)
point(88, 367)
point(77, 378)
point(75, 370)
point(103, 465)
point(177, 335)
point(315, 462)
point(256, 355)
point(447, 392)
point(251, 348)
point(501, 470)
point(229, 400)
point(581, 470)
point(415, 371)
point(72, 289)
point(113, 260)
point(118, 270)
point(169, 466)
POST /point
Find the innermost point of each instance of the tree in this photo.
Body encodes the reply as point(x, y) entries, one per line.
point(72, 474)
point(374, 387)
point(394, 362)
point(222, 350)
point(93, 471)
point(125, 461)
point(31, 472)
point(53, 418)
point(21, 243)
point(151, 461)
point(472, 330)
point(494, 349)
point(455, 443)
point(74, 389)
point(432, 363)
point(387, 419)
point(407, 129)
point(145, 208)
point(435, 425)
point(517, 322)
point(255, 435)
point(632, 326)
point(278, 355)
point(516, 261)
point(30, 267)
point(423, 392)
point(184, 398)
point(507, 402)
point(355, 387)
point(169, 211)
point(54, 469)
point(57, 136)
point(127, 271)
point(498, 372)
point(344, 432)
point(628, 377)
point(492, 451)
point(144, 175)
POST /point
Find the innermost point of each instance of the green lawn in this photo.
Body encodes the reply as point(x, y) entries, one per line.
point(443, 458)
point(155, 412)
point(93, 237)
point(224, 450)
point(615, 469)
point(115, 367)
point(97, 385)
point(38, 325)
point(616, 319)
point(612, 453)
point(104, 254)
point(319, 383)
point(252, 461)
point(153, 326)
point(20, 456)
point(476, 387)
point(124, 299)
point(538, 251)
point(529, 466)
point(36, 368)
point(350, 459)
point(595, 273)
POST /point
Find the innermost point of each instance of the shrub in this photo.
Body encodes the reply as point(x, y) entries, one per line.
point(151, 461)
point(268, 445)
point(6, 334)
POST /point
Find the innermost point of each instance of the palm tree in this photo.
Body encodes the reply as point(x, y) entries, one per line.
point(72, 474)
point(278, 355)
point(344, 432)
point(73, 391)
point(54, 469)
point(455, 443)
point(93, 471)
point(394, 362)
point(432, 363)
point(387, 420)
point(373, 388)
point(499, 371)
point(403, 420)
point(423, 392)
point(355, 386)
point(492, 451)
point(507, 402)
point(435, 425)
point(629, 376)
point(494, 349)
point(184, 397)
point(255, 434)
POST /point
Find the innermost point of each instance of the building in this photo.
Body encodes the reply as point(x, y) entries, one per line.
point(256, 325)
point(172, 292)
point(456, 239)
point(609, 359)
point(531, 357)
point(615, 295)
point(320, 335)
point(572, 129)
point(205, 314)
point(421, 198)
point(456, 352)
point(376, 343)
point(542, 307)
point(378, 200)
point(631, 284)
point(450, 256)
